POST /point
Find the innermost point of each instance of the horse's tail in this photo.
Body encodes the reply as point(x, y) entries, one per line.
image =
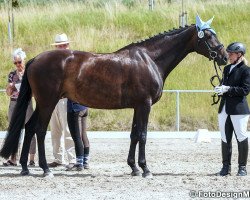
point(10, 145)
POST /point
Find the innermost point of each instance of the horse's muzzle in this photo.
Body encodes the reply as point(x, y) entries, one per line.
point(222, 61)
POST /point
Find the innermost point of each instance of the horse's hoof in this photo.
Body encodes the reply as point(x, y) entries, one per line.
point(48, 174)
point(147, 175)
point(136, 173)
point(25, 172)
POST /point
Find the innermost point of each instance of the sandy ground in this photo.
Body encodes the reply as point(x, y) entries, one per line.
point(179, 166)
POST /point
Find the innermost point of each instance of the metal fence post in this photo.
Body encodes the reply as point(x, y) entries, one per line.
point(177, 110)
point(151, 4)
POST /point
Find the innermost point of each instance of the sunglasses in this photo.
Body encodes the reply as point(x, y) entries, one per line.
point(62, 46)
point(18, 62)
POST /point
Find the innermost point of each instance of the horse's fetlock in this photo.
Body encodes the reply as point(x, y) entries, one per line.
point(142, 163)
point(131, 161)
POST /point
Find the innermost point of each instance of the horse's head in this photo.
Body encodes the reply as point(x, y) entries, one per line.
point(208, 44)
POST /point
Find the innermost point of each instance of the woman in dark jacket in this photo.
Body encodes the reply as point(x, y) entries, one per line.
point(77, 117)
point(233, 110)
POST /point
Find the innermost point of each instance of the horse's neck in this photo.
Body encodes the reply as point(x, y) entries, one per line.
point(170, 50)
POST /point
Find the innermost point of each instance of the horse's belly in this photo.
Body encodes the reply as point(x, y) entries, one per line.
point(102, 99)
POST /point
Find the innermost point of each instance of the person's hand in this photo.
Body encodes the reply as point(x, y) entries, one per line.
point(220, 90)
point(10, 89)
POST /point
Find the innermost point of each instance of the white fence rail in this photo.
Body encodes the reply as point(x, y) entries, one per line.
point(177, 92)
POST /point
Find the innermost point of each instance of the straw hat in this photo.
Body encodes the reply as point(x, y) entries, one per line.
point(61, 39)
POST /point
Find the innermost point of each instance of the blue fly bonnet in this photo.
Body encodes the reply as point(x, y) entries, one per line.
point(201, 26)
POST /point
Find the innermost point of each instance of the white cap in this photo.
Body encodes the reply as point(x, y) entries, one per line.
point(61, 39)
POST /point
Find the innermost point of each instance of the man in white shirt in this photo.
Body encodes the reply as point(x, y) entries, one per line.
point(58, 123)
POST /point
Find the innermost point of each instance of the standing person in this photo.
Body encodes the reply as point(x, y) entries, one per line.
point(58, 122)
point(233, 110)
point(77, 119)
point(12, 90)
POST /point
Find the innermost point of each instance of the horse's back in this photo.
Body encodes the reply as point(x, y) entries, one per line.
point(115, 80)
point(111, 81)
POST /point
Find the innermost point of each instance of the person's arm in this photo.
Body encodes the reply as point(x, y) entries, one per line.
point(244, 88)
point(10, 89)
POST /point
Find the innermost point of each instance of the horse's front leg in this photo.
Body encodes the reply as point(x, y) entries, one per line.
point(142, 157)
point(142, 122)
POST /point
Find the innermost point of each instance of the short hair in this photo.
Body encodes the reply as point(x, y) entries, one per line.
point(19, 52)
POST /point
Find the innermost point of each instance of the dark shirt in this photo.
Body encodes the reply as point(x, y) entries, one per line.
point(75, 107)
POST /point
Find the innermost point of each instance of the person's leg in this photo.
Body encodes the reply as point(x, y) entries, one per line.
point(73, 124)
point(56, 133)
point(240, 125)
point(68, 142)
point(12, 160)
point(83, 130)
point(32, 151)
point(226, 130)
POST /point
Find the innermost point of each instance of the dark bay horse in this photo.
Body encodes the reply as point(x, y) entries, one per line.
point(132, 77)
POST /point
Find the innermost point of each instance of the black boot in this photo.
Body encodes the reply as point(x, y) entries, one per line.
point(242, 158)
point(226, 150)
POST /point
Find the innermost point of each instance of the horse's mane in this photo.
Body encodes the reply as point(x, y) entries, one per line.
point(159, 35)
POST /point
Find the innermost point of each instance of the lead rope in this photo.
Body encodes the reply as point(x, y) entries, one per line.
point(215, 96)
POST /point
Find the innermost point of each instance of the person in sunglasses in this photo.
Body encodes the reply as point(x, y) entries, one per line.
point(234, 110)
point(12, 90)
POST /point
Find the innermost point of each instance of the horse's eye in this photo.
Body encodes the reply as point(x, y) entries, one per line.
point(209, 36)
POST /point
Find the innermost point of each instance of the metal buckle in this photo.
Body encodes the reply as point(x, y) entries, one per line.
point(213, 54)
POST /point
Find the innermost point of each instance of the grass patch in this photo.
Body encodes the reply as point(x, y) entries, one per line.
point(106, 26)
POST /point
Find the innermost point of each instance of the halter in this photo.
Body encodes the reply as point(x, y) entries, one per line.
point(212, 56)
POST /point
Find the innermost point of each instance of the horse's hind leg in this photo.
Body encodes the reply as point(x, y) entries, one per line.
point(133, 143)
point(41, 150)
point(41, 129)
point(29, 133)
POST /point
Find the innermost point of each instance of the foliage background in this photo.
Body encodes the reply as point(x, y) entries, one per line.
point(108, 25)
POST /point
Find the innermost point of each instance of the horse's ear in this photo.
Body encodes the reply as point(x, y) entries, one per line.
point(210, 21)
point(199, 22)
